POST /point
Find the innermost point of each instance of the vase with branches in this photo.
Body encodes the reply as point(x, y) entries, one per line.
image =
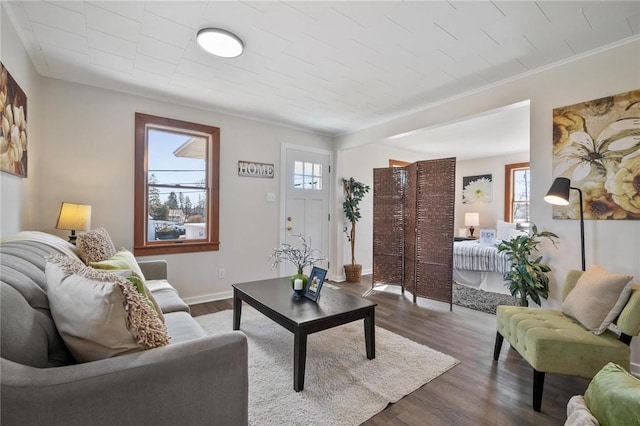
point(299, 257)
point(354, 193)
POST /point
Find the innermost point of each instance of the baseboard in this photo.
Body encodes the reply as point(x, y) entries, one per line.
point(208, 298)
point(635, 369)
point(341, 278)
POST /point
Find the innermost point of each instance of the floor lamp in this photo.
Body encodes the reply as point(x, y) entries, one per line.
point(559, 195)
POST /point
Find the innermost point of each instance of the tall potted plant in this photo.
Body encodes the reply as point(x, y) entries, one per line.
point(354, 193)
point(527, 277)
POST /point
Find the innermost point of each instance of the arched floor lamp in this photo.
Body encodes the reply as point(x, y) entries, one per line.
point(559, 195)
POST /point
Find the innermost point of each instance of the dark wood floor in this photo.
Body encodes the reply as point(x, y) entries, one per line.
point(478, 391)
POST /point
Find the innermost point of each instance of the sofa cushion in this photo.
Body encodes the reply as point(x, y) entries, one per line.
point(99, 315)
point(598, 298)
point(166, 296)
point(182, 327)
point(29, 335)
point(95, 245)
point(613, 396)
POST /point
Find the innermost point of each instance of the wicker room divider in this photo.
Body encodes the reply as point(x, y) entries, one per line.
point(413, 214)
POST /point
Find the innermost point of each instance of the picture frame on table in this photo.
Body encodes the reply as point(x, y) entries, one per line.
point(314, 283)
point(487, 237)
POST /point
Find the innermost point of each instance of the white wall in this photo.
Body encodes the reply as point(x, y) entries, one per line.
point(90, 159)
point(18, 196)
point(489, 212)
point(359, 162)
point(614, 245)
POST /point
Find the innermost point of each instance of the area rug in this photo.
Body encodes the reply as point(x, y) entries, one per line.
point(342, 387)
point(480, 300)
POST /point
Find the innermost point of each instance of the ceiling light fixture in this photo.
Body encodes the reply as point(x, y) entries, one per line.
point(220, 42)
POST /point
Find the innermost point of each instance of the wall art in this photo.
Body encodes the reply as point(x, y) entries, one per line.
point(476, 189)
point(13, 131)
point(596, 144)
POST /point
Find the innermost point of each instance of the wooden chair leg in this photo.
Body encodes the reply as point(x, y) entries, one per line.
point(498, 346)
point(538, 384)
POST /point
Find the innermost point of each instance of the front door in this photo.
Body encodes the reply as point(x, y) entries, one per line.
point(306, 196)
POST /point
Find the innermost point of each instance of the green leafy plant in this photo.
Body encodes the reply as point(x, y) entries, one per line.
point(354, 193)
point(527, 276)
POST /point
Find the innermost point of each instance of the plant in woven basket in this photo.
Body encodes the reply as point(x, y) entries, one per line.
point(354, 193)
point(527, 276)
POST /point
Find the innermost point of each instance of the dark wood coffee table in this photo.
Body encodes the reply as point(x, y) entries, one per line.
point(274, 298)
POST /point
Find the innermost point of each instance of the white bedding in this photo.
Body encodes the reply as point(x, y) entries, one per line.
point(479, 266)
point(472, 256)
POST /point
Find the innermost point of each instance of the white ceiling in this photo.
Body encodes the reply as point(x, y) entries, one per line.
point(330, 67)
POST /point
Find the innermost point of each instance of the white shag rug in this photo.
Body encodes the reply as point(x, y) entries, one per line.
point(341, 387)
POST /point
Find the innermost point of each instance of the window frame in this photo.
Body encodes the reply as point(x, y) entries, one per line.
point(509, 169)
point(142, 247)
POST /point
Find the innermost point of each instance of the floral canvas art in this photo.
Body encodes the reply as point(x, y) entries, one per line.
point(13, 131)
point(596, 144)
point(476, 189)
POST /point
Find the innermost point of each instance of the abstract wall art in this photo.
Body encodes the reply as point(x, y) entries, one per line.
point(596, 144)
point(13, 131)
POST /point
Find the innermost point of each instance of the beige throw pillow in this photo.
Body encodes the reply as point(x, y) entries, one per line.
point(95, 245)
point(598, 298)
point(99, 315)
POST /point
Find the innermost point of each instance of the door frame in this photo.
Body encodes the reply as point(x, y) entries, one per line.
point(283, 190)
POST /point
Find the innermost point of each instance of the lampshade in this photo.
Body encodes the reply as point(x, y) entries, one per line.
point(220, 42)
point(74, 217)
point(472, 219)
point(559, 192)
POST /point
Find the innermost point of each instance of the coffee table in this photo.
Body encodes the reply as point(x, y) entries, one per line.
point(274, 298)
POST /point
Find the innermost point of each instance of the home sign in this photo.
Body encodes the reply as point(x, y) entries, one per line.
point(253, 169)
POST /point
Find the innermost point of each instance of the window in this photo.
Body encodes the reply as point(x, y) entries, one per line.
point(307, 175)
point(176, 186)
point(398, 163)
point(516, 193)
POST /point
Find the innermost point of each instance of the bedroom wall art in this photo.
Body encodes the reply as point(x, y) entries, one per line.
point(476, 189)
point(13, 131)
point(596, 144)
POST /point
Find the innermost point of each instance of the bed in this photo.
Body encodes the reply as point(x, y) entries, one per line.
point(480, 266)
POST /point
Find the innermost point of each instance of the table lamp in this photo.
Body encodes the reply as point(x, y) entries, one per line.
point(471, 220)
point(559, 195)
point(74, 217)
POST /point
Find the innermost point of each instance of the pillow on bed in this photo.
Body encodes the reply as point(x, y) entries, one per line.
point(504, 229)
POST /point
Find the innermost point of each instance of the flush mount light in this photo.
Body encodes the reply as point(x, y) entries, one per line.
point(220, 42)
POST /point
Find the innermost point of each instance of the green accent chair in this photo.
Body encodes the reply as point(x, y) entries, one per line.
point(552, 342)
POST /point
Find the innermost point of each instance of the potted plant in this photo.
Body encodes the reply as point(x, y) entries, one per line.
point(527, 276)
point(354, 193)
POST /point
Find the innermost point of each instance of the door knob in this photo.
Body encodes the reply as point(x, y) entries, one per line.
point(289, 219)
point(289, 228)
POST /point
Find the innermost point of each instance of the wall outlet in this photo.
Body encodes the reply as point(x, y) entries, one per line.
point(271, 197)
point(221, 273)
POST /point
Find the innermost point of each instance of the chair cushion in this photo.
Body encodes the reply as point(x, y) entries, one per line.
point(598, 298)
point(99, 315)
point(613, 396)
point(552, 342)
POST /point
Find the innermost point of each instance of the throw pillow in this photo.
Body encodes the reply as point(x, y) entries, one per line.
point(95, 245)
point(503, 228)
point(598, 298)
point(613, 396)
point(99, 315)
point(124, 260)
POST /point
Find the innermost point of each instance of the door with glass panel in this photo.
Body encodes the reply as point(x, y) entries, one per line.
point(306, 210)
